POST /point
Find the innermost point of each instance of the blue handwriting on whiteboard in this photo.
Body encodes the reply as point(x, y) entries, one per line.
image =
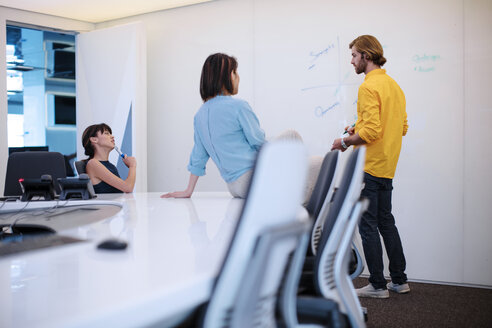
point(315, 55)
point(319, 86)
point(424, 69)
point(425, 63)
point(320, 111)
point(425, 58)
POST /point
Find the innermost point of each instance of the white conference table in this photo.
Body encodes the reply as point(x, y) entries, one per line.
point(175, 249)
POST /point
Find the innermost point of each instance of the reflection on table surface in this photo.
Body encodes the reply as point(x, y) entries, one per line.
point(175, 250)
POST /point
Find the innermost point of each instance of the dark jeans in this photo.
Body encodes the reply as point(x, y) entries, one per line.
point(379, 220)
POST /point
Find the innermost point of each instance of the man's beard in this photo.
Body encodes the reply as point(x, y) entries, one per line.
point(361, 67)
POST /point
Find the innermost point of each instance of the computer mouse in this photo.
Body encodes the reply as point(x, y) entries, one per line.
point(113, 244)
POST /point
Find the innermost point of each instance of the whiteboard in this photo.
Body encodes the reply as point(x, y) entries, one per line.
point(304, 80)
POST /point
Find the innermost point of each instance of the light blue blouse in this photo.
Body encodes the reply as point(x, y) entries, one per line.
point(227, 130)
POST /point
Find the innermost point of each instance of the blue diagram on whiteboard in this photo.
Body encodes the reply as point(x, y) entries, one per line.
point(315, 55)
point(325, 65)
point(320, 111)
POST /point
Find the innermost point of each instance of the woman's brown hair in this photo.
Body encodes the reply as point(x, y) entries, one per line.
point(216, 75)
point(91, 131)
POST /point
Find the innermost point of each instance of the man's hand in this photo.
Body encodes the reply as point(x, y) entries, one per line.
point(350, 130)
point(337, 145)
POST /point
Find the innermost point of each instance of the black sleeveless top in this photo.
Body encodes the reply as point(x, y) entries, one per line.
point(104, 188)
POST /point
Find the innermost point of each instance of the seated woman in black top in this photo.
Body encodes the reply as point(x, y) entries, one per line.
point(98, 143)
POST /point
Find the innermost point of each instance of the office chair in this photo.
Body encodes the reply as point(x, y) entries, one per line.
point(68, 165)
point(268, 231)
point(320, 272)
point(80, 167)
point(343, 282)
point(33, 165)
point(356, 263)
point(309, 311)
point(321, 197)
point(258, 295)
point(318, 207)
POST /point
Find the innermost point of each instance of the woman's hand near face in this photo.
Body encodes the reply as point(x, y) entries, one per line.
point(130, 161)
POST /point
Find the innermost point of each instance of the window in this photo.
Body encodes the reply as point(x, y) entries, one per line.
point(41, 89)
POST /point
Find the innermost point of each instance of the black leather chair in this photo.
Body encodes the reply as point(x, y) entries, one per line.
point(80, 166)
point(32, 165)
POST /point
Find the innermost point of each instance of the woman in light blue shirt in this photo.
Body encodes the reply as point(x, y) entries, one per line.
point(226, 129)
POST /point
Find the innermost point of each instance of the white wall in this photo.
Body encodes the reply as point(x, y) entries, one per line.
point(25, 17)
point(477, 117)
point(178, 43)
point(438, 52)
point(111, 88)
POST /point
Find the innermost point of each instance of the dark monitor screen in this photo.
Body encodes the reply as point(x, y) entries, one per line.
point(32, 148)
point(65, 110)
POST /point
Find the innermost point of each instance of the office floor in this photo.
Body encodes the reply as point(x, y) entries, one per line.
point(430, 305)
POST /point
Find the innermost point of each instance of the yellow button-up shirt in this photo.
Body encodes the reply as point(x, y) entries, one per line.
point(381, 122)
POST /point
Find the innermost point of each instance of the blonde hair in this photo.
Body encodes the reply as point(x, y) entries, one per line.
point(369, 45)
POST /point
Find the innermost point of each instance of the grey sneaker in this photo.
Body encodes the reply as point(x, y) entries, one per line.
point(370, 291)
point(398, 288)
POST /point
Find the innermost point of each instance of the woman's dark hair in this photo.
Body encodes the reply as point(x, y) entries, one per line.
point(91, 131)
point(216, 75)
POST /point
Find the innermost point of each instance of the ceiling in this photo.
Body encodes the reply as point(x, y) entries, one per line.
point(96, 11)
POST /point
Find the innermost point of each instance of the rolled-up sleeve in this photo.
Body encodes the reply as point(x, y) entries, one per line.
point(251, 127)
point(198, 157)
point(405, 123)
point(371, 130)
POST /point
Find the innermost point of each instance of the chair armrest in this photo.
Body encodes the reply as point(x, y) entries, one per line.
point(317, 310)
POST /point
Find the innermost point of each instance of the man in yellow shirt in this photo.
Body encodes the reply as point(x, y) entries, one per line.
point(381, 124)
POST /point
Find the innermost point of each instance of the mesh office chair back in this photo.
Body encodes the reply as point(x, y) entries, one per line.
point(319, 202)
point(277, 251)
point(335, 224)
point(32, 165)
point(273, 201)
point(319, 205)
point(312, 311)
point(348, 297)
